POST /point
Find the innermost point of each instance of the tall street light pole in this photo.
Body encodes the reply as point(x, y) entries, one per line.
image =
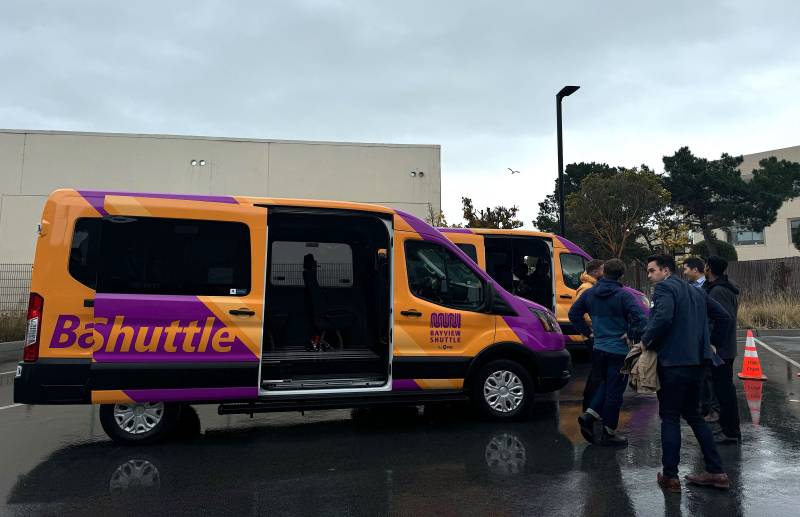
point(565, 92)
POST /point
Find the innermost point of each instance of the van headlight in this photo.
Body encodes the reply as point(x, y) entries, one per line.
point(547, 320)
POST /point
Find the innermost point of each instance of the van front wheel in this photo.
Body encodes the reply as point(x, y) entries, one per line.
point(139, 423)
point(502, 390)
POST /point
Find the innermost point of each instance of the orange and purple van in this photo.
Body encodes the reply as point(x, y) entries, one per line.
point(144, 303)
point(541, 267)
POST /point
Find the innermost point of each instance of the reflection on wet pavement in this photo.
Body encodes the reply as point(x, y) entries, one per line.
point(407, 461)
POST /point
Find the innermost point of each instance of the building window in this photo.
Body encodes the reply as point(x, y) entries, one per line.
point(794, 231)
point(742, 236)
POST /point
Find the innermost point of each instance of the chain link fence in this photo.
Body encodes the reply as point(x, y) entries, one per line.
point(15, 285)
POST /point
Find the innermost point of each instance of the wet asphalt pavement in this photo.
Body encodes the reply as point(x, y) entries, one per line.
point(440, 461)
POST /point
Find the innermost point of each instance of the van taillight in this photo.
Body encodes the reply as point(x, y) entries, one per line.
point(35, 307)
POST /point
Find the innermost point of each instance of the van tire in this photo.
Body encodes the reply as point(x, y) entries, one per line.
point(158, 422)
point(502, 390)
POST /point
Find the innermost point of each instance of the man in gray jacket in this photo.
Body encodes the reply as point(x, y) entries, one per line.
point(721, 289)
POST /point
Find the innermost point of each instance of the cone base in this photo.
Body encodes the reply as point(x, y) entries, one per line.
point(762, 378)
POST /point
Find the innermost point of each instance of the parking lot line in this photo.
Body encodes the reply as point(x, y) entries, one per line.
point(8, 373)
point(9, 407)
point(790, 361)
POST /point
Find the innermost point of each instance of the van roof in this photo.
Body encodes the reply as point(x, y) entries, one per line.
point(93, 196)
point(495, 231)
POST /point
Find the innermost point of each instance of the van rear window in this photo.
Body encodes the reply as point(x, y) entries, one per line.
point(84, 251)
point(334, 263)
point(148, 255)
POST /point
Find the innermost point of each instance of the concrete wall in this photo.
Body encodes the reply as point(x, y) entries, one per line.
point(34, 163)
point(777, 237)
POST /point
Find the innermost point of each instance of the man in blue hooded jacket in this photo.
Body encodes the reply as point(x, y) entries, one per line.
point(615, 315)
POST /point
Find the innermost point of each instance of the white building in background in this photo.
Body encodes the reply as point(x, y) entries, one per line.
point(34, 163)
point(774, 241)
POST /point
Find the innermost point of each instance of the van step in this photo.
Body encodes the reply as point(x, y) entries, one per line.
point(305, 384)
point(338, 401)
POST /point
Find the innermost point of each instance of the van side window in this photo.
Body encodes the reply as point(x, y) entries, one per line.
point(334, 263)
point(470, 250)
point(572, 266)
point(436, 274)
point(149, 255)
point(84, 252)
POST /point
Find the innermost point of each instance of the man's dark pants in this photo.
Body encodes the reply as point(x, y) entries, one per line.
point(679, 397)
point(607, 399)
point(595, 378)
point(726, 395)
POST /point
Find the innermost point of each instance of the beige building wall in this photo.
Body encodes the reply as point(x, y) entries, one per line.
point(34, 163)
point(777, 237)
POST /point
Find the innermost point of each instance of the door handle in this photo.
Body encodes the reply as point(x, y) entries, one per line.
point(568, 297)
point(88, 302)
point(413, 313)
point(242, 312)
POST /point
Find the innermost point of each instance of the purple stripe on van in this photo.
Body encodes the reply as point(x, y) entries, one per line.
point(154, 328)
point(192, 394)
point(97, 198)
point(404, 385)
point(573, 248)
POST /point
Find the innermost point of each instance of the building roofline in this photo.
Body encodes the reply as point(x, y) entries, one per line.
point(210, 138)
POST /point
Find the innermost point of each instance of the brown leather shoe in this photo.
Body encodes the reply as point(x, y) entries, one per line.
point(708, 479)
point(671, 484)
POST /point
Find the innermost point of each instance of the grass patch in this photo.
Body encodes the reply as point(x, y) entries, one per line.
point(12, 327)
point(780, 311)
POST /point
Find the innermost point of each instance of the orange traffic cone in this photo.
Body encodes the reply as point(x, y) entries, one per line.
point(752, 392)
point(751, 366)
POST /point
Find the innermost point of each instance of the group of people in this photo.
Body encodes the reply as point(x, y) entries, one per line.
point(691, 330)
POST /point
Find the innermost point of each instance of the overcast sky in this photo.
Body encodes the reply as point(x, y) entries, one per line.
point(478, 78)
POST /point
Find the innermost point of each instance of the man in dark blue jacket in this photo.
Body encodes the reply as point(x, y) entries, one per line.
point(614, 313)
point(678, 329)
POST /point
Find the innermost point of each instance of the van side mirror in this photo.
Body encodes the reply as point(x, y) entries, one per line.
point(495, 304)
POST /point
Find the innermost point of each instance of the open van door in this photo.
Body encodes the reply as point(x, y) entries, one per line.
point(178, 313)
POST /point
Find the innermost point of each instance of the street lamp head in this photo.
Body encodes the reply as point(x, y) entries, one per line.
point(567, 91)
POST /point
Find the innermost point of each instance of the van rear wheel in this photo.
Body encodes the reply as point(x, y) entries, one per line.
point(502, 390)
point(139, 423)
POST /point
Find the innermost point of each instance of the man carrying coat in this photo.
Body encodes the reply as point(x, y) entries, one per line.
point(678, 330)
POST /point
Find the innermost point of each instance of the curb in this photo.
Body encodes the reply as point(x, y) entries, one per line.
point(11, 346)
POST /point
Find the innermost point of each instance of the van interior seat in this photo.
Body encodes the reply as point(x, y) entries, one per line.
point(325, 314)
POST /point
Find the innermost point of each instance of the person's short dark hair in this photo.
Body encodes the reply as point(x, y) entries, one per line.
point(717, 265)
point(694, 263)
point(663, 261)
point(613, 269)
point(594, 265)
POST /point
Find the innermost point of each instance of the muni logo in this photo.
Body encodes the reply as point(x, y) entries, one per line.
point(445, 328)
point(208, 335)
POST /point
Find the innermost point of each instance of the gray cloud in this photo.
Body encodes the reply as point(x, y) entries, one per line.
point(477, 77)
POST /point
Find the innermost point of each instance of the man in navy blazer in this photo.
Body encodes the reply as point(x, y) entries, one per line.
point(678, 329)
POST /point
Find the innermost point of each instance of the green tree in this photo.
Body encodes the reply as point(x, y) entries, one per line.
point(497, 217)
point(615, 209)
point(574, 173)
point(712, 193)
point(437, 219)
point(724, 250)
